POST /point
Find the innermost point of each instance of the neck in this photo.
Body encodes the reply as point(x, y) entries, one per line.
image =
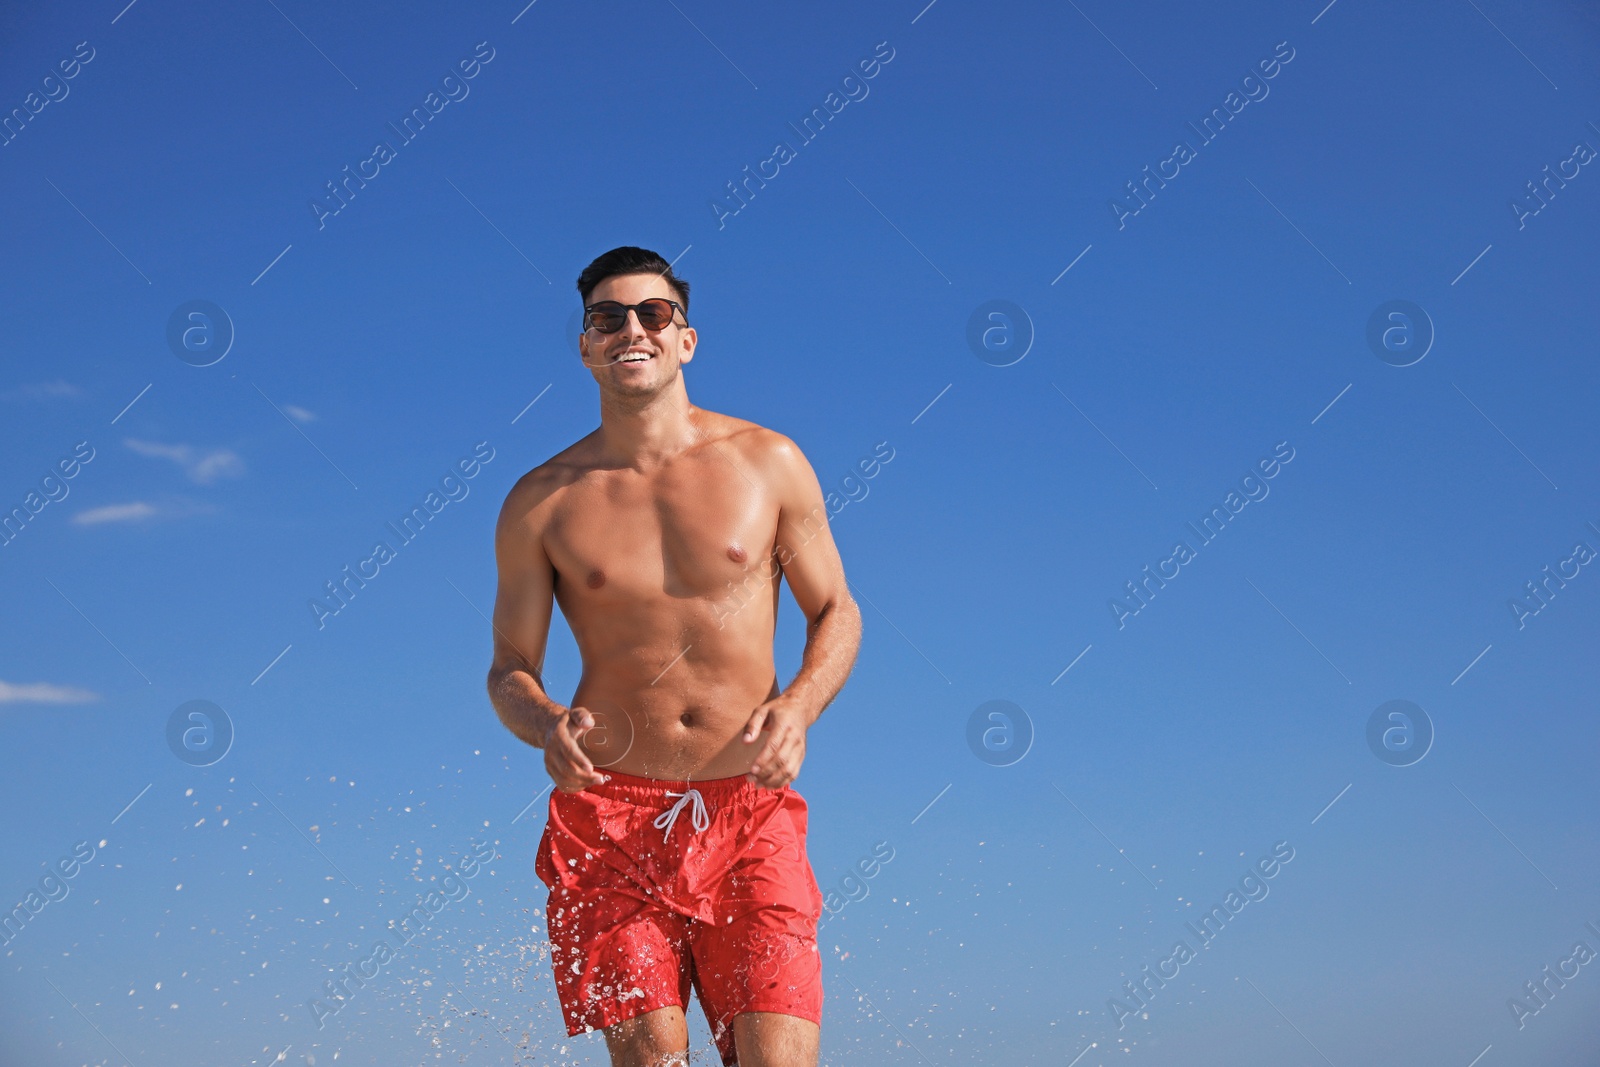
point(645, 431)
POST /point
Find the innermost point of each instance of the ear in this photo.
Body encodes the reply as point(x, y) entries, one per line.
point(687, 339)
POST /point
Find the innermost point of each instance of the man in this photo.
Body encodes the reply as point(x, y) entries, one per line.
point(675, 846)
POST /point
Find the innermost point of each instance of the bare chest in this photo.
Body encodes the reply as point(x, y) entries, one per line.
point(683, 532)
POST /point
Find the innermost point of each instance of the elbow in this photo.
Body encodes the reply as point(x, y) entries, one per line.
point(492, 686)
point(498, 669)
point(502, 670)
point(852, 613)
point(841, 609)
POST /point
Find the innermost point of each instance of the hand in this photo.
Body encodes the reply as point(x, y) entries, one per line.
point(569, 767)
point(780, 753)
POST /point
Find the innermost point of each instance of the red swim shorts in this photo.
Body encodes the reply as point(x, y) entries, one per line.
point(657, 886)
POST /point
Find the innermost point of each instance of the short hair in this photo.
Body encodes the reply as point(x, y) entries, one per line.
point(629, 259)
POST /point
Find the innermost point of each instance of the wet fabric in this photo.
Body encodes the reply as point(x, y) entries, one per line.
point(657, 887)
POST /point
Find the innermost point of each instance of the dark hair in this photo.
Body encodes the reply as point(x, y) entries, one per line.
point(630, 260)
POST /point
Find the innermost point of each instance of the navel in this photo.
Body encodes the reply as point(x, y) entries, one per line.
point(596, 579)
point(736, 553)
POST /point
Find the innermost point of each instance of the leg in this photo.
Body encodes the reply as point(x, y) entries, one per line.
point(657, 1038)
point(757, 967)
point(768, 1039)
point(620, 967)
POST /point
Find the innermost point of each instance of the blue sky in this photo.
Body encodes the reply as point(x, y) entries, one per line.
point(1168, 351)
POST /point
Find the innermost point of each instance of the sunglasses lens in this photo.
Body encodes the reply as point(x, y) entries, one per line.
point(607, 318)
point(655, 314)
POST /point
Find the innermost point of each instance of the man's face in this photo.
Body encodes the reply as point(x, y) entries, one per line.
point(613, 358)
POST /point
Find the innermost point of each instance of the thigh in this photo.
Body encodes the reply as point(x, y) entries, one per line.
point(615, 958)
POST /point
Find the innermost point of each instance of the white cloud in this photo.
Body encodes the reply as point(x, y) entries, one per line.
point(176, 453)
point(40, 390)
point(203, 467)
point(220, 463)
point(299, 414)
point(133, 512)
point(44, 693)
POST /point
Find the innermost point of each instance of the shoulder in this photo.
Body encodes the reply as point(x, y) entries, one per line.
point(777, 462)
point(537, 492)
point(763, 447)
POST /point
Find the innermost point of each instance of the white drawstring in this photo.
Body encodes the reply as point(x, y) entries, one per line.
point(697, 815)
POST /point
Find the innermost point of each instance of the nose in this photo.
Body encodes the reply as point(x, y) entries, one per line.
point(632, 330)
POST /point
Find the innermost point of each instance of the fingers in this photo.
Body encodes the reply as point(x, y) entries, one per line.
point(753, 727)
point(778, 762)
point(569, 766)
point(569, 778)
point(763, 750)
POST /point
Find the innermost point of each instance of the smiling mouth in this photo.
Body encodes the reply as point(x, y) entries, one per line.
point(635, 357)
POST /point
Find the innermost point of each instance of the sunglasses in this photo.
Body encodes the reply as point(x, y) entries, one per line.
point(609, 316)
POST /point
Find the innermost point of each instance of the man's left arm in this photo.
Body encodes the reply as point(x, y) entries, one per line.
point(810, 562)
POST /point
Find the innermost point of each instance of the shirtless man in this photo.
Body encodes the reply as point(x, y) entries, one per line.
point(662, 535)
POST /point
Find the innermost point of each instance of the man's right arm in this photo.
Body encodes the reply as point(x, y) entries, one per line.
point(522, 606)
point(521, 625)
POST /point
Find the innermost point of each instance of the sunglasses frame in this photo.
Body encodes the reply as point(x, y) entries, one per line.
point(588, 311)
